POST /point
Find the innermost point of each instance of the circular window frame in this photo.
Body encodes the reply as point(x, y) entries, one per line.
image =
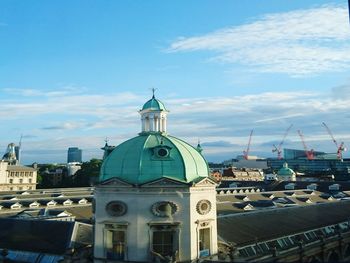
point(162, 152)
point(116, 208)
point(161, 213)
point(203, 210)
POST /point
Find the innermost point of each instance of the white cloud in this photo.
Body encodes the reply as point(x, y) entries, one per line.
point(66, 126)
point(297, 43)
point(341, 92)
point(67, 90)
point(68, 103)
point(86, 119)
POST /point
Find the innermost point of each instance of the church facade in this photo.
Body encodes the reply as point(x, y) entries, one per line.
point(155, 200)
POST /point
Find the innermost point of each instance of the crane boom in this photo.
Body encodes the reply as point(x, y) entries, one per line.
point(285, 136)
point(246, 152)
point(278, 148)
point(330, 133)
point(340, 147)
point(309, 153)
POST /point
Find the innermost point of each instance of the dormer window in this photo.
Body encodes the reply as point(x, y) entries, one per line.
point(162, 152)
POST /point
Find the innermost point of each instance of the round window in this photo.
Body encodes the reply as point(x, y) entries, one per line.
point(203, 207)
point(116, 208)
point(164, 208)
point(163, 152)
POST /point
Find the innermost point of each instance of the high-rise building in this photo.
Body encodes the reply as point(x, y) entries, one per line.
point(74, 155)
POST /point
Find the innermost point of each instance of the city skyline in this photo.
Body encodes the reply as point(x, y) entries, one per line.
point(73, 74)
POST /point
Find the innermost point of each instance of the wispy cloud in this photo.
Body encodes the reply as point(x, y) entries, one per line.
point(297, 43)
point(62, 91)
point(283, 117)
point(221, 123)
point(70, 104)
point(341, 92)
point(65, 126)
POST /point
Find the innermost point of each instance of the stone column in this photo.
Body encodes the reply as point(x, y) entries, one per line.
point(164, 124)
point(151, 123)
point(143, 124)
point(156, 123)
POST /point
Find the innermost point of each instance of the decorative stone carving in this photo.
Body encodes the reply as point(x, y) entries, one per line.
point(203, 207)
point(116, 208)
point(164, 209)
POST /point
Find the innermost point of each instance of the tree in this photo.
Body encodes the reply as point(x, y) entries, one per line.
point(89, 173)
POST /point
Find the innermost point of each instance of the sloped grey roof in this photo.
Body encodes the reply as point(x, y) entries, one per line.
point(246, 228)
point(44, 236)
point(20, 168)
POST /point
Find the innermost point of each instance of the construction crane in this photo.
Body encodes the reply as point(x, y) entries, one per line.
point(340, 147)
point(278, 148)
point(246, 152)
point(309, 153)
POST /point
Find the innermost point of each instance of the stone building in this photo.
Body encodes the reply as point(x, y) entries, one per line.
point(243, 174)
point(155, 200)
point(17, 177)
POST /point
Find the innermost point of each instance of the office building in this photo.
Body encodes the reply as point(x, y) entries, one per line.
point(74, 155)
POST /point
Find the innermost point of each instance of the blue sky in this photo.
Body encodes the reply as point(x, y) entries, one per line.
point(75, 72)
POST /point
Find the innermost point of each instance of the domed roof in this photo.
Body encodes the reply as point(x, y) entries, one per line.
point(154, 104)
point(285, 171)
point(153, 156)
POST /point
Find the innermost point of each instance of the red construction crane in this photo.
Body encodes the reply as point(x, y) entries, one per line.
point(278, 148)
point(309, 153)
point(340, 147)
point(246, 152)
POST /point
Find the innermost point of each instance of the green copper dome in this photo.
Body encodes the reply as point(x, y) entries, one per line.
point(154, 104)
point(153, 156)
point(285, 171)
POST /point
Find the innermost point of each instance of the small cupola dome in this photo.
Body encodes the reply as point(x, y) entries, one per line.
point(285, 170)
point(153, 116)
point(154, 104)
point(154, 154)
point(285, 173)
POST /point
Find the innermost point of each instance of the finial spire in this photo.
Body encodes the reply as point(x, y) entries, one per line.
point(153, 90)
point(199, 147)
